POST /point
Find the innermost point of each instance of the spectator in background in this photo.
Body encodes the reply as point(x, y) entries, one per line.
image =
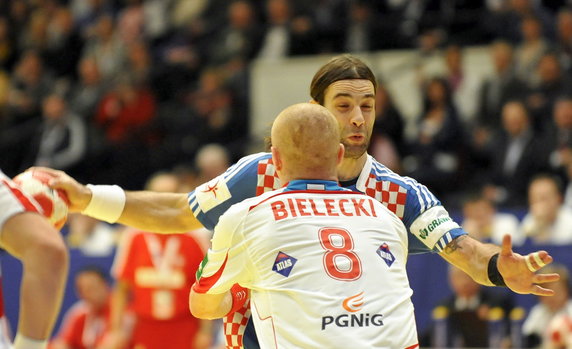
point(530, 50)
point(125, 111)
point(507, 22)
point(30, 83)
point(35, 35)
point(130, 22)
point(106, 48)
point(215, 113)
point(482, 221)
point(64, 44)
point(86, 324)
point(154, 274)
point(60, 141)
point(387, 138)
point(211, 160)
point(568, 190)
point(563, 42)
point(535, 326)
point(286, 34)
point(548, 221)
point(499, 88)
point(8, 46)
point(360, 34)
point(434, 153)
point(86, 93)
point(464, 86)
point(559, 137)
point(139, 64)
point(468, 311)
point(239, 39)
point(329, 18)
point(552, 84)
point(125, 116)
point(516, 155)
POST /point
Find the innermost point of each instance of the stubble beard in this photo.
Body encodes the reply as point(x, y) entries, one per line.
point(354, 151)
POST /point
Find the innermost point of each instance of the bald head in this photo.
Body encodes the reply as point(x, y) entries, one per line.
point(306, 142)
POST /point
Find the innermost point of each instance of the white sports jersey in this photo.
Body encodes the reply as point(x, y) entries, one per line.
point(12, 200)
point(325, 266)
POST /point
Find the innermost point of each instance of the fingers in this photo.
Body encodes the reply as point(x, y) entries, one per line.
point(536, 260)
point(545, 278)
point(541, 291)
point(506, 249)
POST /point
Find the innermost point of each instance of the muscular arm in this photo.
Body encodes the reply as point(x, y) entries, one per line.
point(471, 256)
point(145, 210)
point(158, 212)
point(40, 248)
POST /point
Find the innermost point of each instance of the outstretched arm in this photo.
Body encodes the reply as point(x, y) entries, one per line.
point(41, 249)
point(145, 210)
point(517, 271)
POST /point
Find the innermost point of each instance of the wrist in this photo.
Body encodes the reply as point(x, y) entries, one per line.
point(23, 342)
point(107, 202)
point(494, 275)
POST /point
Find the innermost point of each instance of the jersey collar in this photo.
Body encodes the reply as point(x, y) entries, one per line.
point(364, 174)
point(312, 184)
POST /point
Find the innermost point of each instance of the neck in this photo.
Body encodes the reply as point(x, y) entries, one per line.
point(350, 168)
point(322, 176)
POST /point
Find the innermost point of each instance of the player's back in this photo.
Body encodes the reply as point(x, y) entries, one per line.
point(328, 270)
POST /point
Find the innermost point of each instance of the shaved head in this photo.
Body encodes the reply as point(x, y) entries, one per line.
point(306, 138)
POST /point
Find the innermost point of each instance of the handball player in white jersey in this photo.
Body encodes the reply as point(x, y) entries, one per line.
point(346, 87)
point(28, 236)
point(325, 265)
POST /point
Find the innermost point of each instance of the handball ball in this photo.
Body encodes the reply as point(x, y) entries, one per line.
point(54, 202)
point(560, 332)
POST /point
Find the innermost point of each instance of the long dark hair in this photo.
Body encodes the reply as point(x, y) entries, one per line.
point(343, 67)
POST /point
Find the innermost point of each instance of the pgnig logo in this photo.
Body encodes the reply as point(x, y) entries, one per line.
point(355, 318)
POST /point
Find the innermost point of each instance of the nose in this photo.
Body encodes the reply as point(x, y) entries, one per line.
point(357, 118)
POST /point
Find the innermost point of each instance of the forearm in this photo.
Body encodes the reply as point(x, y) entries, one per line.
point(158, 212)
point(471, 256)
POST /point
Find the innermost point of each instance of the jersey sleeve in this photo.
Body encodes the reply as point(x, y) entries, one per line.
point(210, 200)
point(428, 223)
point(226, 262)
point(429, 226)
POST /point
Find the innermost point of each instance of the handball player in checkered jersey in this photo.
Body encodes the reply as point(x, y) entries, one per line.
point(346, 86)
point(28, 236)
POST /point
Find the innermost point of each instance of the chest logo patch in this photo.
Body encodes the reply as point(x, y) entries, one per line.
point(283, 264)
point(385, 254)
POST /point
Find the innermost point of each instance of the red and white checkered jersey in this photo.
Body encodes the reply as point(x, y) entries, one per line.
point(325, 266)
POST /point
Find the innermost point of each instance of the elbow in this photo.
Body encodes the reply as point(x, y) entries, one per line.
point(201, 309)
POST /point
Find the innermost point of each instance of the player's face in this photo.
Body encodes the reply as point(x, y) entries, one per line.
point(353, 104)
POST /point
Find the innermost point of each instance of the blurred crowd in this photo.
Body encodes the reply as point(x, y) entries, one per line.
point(113, 91)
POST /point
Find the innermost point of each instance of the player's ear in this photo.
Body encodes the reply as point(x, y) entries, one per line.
point(276, 159)
point(341, 152)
